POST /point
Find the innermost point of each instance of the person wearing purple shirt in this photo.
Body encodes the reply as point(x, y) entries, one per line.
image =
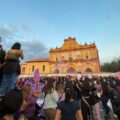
point(28, 106)
point(29, 110)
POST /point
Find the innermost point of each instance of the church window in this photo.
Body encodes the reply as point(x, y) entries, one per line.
point(70, 59)
point(43, 68)
point(23, 70)
point(56, 59)
point(33, 67)
point(86, 57)
point(78, 56)
point(62, 57)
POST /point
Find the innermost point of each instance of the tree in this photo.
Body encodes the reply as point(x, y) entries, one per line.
point(113, 66)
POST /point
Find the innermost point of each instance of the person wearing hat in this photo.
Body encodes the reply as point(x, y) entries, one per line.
point(2, 60)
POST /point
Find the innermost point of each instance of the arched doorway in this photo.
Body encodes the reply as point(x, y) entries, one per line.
point(56, 71)
point(88, 70)
point(71, 70)
point(23, 70)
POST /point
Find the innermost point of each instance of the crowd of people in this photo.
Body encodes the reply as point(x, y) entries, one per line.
point(66, 98)
point(63, 98)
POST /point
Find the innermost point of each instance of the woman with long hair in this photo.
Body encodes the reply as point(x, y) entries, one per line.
point(60, 91)
point(28, 106)
point(11, 68)
point(86, 102)
point(69, 109)
point(51, 99)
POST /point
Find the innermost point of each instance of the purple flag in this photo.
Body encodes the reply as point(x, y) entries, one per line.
point(36, 77)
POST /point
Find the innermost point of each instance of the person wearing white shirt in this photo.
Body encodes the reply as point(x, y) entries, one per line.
point(51, 99)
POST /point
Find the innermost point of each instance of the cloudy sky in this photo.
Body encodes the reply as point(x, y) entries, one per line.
point(42, 24)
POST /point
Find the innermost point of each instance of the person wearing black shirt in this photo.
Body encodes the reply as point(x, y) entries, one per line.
point(11, 68)
point(2, 60)
point(69, 109)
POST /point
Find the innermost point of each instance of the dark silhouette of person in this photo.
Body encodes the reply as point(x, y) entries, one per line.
point(2, 60)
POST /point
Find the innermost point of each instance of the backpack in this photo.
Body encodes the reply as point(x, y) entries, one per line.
point(93, 99)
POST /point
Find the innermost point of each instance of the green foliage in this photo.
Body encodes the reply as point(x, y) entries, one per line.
point(113, 66)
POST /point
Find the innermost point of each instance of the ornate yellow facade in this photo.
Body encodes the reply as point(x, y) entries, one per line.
point(70, 58)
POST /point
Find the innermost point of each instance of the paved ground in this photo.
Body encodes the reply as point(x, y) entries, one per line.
point(112, 117)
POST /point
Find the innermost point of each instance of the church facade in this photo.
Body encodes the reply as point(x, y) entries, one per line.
point(71, 57)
